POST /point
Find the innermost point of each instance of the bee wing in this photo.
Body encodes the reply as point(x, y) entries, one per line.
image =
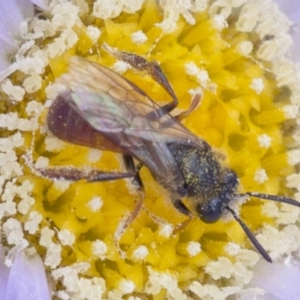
point(65, 123)
point(126, 116)
point(112, 104)
point(91, 77)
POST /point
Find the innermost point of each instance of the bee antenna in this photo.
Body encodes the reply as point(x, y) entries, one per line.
point(250, 235)
point(271, 197)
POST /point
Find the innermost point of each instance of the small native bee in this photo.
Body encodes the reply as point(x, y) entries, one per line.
point(103, 110)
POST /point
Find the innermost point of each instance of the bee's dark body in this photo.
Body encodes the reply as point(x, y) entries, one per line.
point(103, 110)
point(173, 164)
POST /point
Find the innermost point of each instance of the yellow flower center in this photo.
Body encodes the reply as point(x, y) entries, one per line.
point(241, 114)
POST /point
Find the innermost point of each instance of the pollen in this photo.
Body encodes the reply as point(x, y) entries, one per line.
point(139, 37)
point(264, 140)
point(260, 176)
point(32, 83)
point(120, 67)
point(99, 249)
point(42, 162)
point(53, 256)
point(193, 248)
point(32, 224)
point(140, 253)
point(257, 85)
point(126, 286)
point(66, 237)
point(232, 54)
point(46, 236)
point(93, 33)
point(15, 92)
point(54, 144)
point(166, 230)
point(95, 204)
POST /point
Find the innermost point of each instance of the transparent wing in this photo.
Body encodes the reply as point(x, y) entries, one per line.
point(125, 116)
point(110, 103)
point(65, 123)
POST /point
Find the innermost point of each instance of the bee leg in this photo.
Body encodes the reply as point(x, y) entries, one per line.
point(152, 68)
point(125, 223)
point(183, 209)
point(195, 103)
point(73, 174)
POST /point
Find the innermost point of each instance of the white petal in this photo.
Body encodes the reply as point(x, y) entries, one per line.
point(4, 270)
point(291, 8)
point(40, 3)
point(279, 280)
point(27, 279)
point(6, 51)
point(12, 13)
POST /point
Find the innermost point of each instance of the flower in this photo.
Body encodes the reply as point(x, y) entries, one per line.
point(229, 53)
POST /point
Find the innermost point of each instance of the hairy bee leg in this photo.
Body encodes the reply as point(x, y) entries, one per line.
point(184, 210)
point(178, 204)
point(195, 103)
point(131, 168)
point(74, 174)
point(125, 223)
point(160, 221)
point(152, 68)
point(155, 218)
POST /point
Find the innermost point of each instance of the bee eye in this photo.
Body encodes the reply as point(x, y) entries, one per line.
point(211, 212)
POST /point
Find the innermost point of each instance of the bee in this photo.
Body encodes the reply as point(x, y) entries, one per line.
point(101, 109)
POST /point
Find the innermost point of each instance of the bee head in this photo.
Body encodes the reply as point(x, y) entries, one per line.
point(211, 210)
